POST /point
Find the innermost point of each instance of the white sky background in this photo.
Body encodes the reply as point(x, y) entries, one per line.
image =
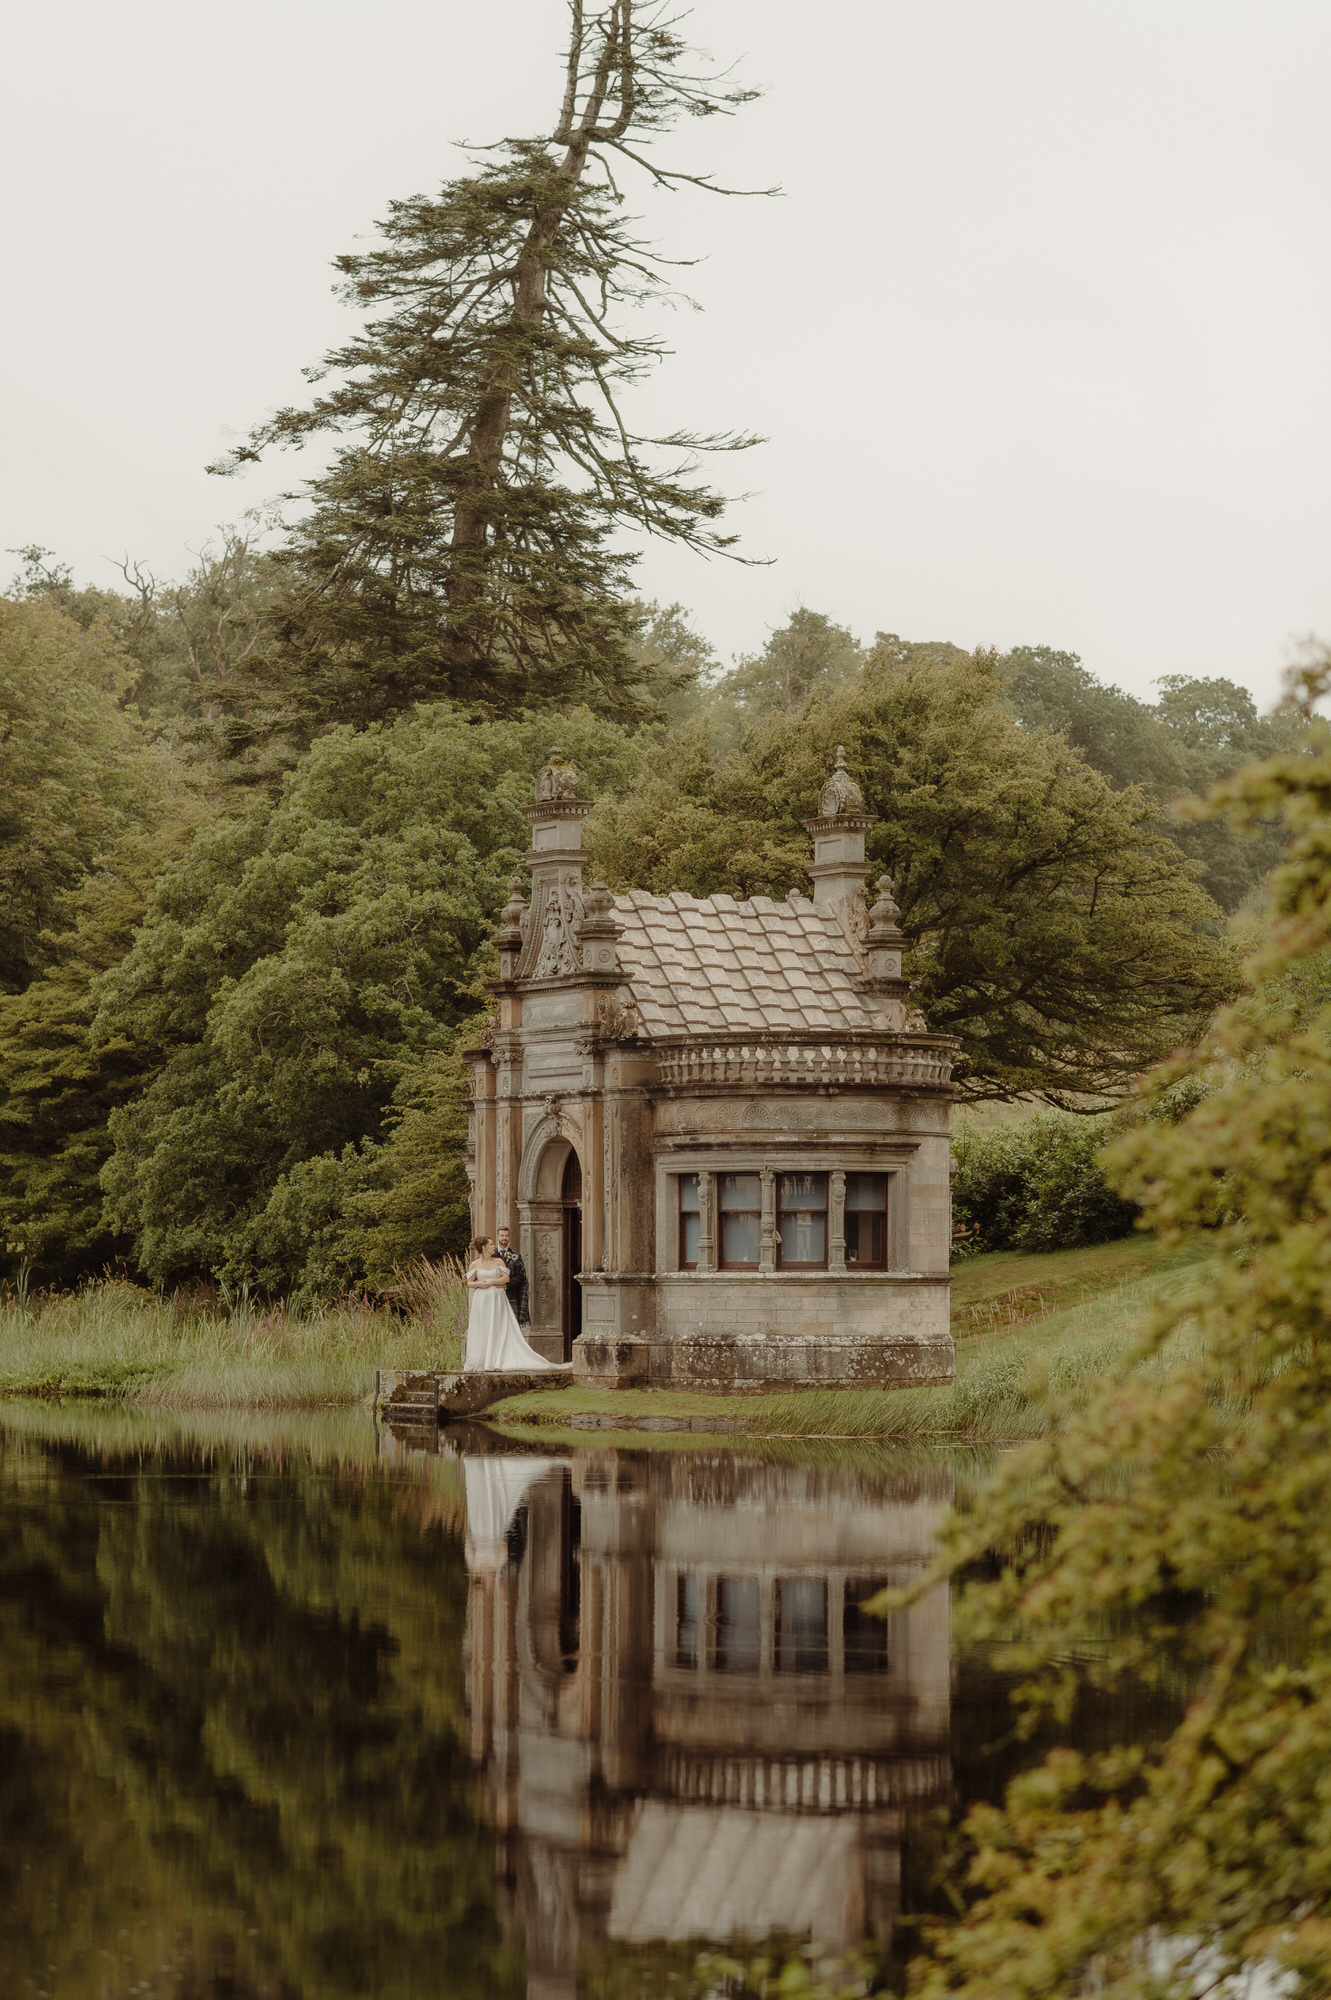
point(1038, 333)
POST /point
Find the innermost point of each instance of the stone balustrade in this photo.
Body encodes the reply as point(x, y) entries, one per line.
point(912, 1064)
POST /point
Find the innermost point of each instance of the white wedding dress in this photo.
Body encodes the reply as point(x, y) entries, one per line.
point(494, 1338)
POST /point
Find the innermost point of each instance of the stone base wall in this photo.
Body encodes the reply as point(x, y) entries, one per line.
point(764, 1365)
point(732, 1331)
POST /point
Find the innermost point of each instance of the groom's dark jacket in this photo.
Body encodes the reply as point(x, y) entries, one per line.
point(519, 1292)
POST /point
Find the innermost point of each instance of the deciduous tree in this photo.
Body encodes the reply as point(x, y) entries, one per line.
point(75, 771)
point(1057, 932)
point(294, 963)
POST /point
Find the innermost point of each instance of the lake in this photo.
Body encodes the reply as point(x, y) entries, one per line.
point(293, 1708)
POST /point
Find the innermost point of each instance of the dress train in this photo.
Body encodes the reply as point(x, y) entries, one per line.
point(494, 1338)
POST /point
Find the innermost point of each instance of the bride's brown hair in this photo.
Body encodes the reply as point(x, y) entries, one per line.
point(478, 1244)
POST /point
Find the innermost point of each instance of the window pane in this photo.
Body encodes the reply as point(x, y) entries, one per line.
point(741, 1191)
point(688, 1249)
point(866, 1235)
point(688, 1192)
point(866, 1191)
point(803, 1191)
point(686, 1621)
point(803, 1238)
point(737, 1630)
point(865, 1636)
point(740, 1238)
point(801, 1613)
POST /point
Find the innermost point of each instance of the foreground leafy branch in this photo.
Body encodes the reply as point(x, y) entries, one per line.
point(1185, 1526)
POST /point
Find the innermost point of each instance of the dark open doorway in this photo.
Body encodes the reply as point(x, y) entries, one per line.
point(571, 1193)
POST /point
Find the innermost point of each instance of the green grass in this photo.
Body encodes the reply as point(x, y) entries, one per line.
point(113, 1339)
point(1014, 1376)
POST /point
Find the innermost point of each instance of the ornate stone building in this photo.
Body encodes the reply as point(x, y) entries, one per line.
point(718, 1129)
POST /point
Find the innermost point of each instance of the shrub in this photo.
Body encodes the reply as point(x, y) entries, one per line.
point(1036, 1186)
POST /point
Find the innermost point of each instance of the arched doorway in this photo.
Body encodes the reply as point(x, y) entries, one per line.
point(571, 1263)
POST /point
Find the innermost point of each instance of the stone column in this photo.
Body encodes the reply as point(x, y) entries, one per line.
point(596, 1170)
point(707, 1223)
point(612, 1137)
point(508, 1136)
point(483, 1112)
point(836, 1223)
point(767, 1238)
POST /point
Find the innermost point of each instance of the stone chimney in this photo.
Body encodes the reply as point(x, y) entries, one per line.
point(839, 867)
point(555, 861)
point(556, 827)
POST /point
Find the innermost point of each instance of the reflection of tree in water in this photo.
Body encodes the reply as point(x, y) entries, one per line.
point(230, 1736)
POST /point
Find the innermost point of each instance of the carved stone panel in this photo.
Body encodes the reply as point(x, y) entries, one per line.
point(557, 953)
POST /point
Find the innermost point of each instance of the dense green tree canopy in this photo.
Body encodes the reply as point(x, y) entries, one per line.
point(807, 654)
point(1198, 731)
point(292, 962)
point(59, 1083)
point(74, 770)
point(1057, 931)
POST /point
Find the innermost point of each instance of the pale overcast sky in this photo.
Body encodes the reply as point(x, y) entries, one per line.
point(1037, 332)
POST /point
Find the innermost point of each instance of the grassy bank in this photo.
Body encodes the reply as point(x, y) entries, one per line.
point(1032, 1331)
point(1035, 1335)
point(115, 1340)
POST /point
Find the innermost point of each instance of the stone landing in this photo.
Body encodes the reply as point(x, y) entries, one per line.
point(408, 1395)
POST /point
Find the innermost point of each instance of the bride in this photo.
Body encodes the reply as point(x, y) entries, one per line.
point(494, 1338)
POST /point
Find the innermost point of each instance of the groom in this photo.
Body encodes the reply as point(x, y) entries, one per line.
point(518, 1294)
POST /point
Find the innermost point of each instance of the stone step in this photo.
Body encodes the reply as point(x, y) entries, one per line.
point(427, 1396)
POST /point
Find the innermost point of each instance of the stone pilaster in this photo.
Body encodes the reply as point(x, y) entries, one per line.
point(707, 1223)
point(836, 1223)
point(767, 1225)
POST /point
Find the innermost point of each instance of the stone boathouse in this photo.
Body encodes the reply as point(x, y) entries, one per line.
point(717, 1129)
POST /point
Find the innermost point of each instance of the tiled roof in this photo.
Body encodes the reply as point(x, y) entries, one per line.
point(714, 966)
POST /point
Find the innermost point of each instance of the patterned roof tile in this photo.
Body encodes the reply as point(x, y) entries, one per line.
point(712, 965)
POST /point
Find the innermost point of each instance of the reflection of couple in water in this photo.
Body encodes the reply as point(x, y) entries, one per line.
point(497, 1281)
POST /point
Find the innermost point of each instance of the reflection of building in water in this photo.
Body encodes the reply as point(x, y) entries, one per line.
point(690, 1726)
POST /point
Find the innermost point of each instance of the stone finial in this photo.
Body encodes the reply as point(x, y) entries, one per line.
point(557, 781)
point(883, 916)
point(598, 932)
point(885, 942)
point(840, 794)
point(510, 938)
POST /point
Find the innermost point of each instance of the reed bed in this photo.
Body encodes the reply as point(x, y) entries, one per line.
point(205, 1348)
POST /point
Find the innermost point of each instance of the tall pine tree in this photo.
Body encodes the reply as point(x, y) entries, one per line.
point(470, 535)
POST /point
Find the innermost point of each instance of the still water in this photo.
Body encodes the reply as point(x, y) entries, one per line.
point(301, 1710)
